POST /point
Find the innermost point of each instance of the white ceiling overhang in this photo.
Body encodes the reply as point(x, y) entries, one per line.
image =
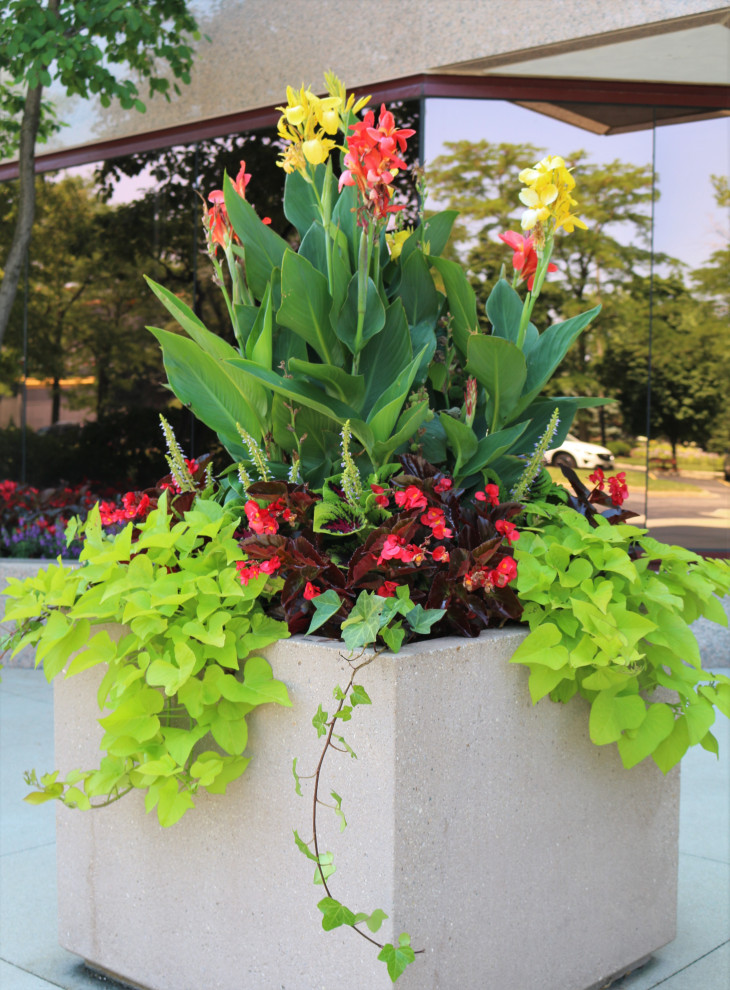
point(688, 51)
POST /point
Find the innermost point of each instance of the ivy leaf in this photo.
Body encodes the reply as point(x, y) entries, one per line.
point(362, 625)
point(373, 921)
point(320, 722)
point(326, 862)
point(396, 959)
point(346, 746)
point(338, 810)
point(303, 847)
point(335, 914)
point(393, 636)
point(421, 619)
point(359, 696)
point(297, 786)
point(325, 606)
point(344, 713)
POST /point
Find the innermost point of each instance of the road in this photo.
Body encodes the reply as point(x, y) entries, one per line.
point(699, 520)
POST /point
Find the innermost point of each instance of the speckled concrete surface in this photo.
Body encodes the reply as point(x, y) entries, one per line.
point(714, 640)
point(258, 46)
point(473, 817)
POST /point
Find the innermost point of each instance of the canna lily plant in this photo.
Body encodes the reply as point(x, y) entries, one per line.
point(366, 325)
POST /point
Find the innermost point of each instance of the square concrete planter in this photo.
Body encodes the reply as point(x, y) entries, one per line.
point(518, 855)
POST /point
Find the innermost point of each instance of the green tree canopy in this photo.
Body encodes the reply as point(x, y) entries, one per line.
point(690, 349)
point(80, 46)
point(87, 301)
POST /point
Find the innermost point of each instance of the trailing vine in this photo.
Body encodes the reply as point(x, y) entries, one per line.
point(375, 616)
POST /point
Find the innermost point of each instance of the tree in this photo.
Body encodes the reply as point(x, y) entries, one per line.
point(689, 350)
point(712, 281)
point(77, 45)
point(87, 302)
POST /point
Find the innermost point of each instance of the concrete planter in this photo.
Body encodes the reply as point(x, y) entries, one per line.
point(518, 855)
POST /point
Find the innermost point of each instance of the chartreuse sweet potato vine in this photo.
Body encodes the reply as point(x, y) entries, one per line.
point(609, 611)
point(183, 676)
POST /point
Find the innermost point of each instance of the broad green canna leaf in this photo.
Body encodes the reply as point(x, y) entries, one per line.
point(386, 355)
point(335, 381)
point(384, 414)
point(499, 366)
point(346, 324)
point(218, 393)
point(263, 249)
point(461, 299)
point(311, 396)
point(259, 346)
point(305, 307)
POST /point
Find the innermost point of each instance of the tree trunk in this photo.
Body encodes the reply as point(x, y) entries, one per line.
point(26, 201)
point(56, 400)
point(26, 206)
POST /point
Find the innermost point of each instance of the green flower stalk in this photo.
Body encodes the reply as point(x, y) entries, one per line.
point(294, 473)
point(534, 465)
point(255, 453)
point(176, 459)
point(243, 476)
point(350, 475)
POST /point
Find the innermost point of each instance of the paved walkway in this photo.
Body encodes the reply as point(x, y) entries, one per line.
point(30, 958)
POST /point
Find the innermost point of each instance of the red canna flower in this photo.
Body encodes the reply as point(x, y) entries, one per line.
point(373, 156)
point(525, 259)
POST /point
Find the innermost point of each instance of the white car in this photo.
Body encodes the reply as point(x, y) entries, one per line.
point(574, 453)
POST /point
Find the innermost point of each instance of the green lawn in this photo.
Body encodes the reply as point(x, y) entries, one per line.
point(688, 458)
point(635, 481)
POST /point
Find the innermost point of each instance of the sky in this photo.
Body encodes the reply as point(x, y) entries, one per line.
point(688, 224)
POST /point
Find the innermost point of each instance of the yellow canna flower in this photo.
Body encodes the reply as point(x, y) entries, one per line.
point(316, 151)
point(547, 195)
point(295, 115)
point(337, 89)
point(304, 122)
point(396, 240)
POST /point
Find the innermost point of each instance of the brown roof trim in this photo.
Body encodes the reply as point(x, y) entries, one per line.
point(436, 85)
